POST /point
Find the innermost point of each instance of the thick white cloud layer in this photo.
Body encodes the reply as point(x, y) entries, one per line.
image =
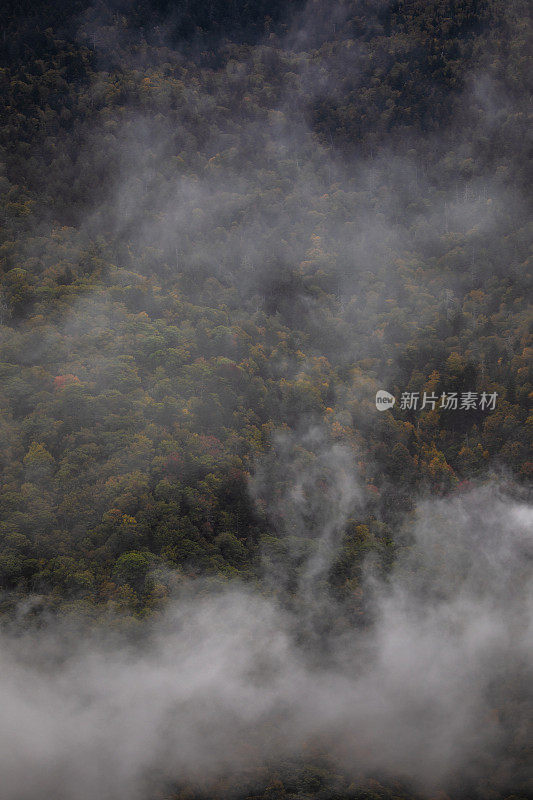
point(220, 686)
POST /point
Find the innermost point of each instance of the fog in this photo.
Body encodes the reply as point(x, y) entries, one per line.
point(226, 680)
point(429, 681)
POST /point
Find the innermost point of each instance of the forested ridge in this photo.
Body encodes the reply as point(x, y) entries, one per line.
point(224, 225)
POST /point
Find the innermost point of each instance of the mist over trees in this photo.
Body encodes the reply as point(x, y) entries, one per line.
point(225, 227)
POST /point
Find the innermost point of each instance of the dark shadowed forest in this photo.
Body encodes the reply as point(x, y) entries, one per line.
point(226, 229)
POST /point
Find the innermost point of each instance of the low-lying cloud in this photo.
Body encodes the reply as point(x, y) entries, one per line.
point(433, 688)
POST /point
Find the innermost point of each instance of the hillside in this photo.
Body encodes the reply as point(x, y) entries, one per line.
point(225, 227)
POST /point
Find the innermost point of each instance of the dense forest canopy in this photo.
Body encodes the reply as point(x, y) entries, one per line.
point(225, 226)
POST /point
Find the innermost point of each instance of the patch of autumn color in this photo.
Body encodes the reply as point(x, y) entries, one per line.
point(65, 380)
point(107, 590)
point(337, 430)
point(210, 444)
point(527, 470)
point(175, 463)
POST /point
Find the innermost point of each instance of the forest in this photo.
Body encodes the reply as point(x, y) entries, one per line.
point(225, 226)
